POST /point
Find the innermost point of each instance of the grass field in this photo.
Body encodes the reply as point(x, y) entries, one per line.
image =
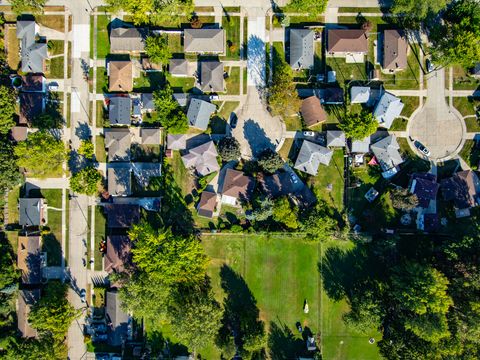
point(232, 83)
point(231, 25)
point(103, 42)
point(462, 80)
point(466, 105)
point(56, 22)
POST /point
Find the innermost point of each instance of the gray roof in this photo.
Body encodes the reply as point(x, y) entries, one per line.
point(143, 172)
point(310, 157)
point(199, 113)
point(119, 111)
point(335, 138)
point(178, 67)
point(181, 99)
point(118, 142)
point(127, 39)
point(386, 152)
point(211, 76)
point(119, 181)
point(150, 136)
point(31, 211)
point(117, 319)
point(301, 48)
point(359, 94)
point(32, 53)
point(203, 159)
point(204, 40)
point(361, 146)
point(176, 142)
point(147, 101)
point(388, 108)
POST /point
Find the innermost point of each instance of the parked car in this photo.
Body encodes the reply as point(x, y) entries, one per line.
point(214, 97)
point(429, 65)
point(102, 356)
point(294, 177)
point(233, 120)
point(422, 148)
point(308, 133)
point(83, 295)
point(53, 86)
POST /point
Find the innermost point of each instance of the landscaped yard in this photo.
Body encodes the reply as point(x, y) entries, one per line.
point(232, 83)
point(55, 47)
point(466, 105)
point(13, 196)
point(52, 242)
point(175, 43)
point(180, 174)
point(472, 124)
point(56, 67)
point(102, 80)
point(100, 153)
point(103, 41)
point(100, 234)
point(13, 48)
point(284, 151)
point(470, 154)
point(231, 24)
point(411, 103)
point(462, 80)
point(56, 22)
point(346, 72)
point(181, 84)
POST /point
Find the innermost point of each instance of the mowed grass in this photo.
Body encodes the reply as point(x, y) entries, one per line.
point(466, 105)
point(232, 83)
point(103, 42)
point(231, 24)
point(100, 230)
point(13, 48)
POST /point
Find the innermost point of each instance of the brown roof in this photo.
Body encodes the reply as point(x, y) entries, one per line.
point(19, 133)
point(32, 83)
point(312, 111)
point(207, 204)
point(26, 298)
point(118, 253)
point(31, 105)
point(120, 76)
point(347, 40)
point(236, 184)
point(394, 50)
point(122, 215)
point(463, 188)
point(28, 259)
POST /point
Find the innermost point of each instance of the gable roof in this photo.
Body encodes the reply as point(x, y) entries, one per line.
point(361, 146)
point(34, 83)
point(310, 157)
point(425, 186)
point(30, 211)
point(331, 96)
point(336, 138)
point(32, 104)
point(394, 50)
point(33, 54)
point(120, 76)
point(29, 260)
point(347, 40)
point(118, 142)
point(147, 101)
point(237, 185)
point(204, 40)
point(119, 181)
point(199, 113)
point(388, 108)
point(387, 153)
point(117, 319)
point(178, 67)
point(312, 111)
point(301, 48)
point(118, 253)
point(128, 39)
point(211, 76)
point(144, 172)
point(202, 158)
point(463, 188)
point(176, 141)
point(119, 110)
point(26, 299)
point(359, 94)
point(122, 215)
point(207, 204)
point(150, 136)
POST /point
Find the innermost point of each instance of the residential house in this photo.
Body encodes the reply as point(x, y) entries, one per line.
point(388, 108)
point(178, 67)
point(312, 111)
point(119, 180)
point(343, 42)
point(120, 110)
point(34, 83)
point(26, 299)
point(29, 260)
point(201, 41)
point(122, 215)
point(199, 113)
point(32, 53)
point(117, 319)
point(202, 159)
point(236, 187)
point(117, 142)
point(301, 49)
point(463, 188)
point(148, 104)
point(120, 76)
point(31, 212)
point(310, 157)
point(361, 146)
point(176, 141)
point(428, 222)
point(32, 104)
point(117, 255)
point(359, 94)
point(388, 156)
point(207, 205)
point(150, 136)
point(211, 76)
point(336, 138)
point(181, 99)
point(425, 187)
point(331, 96)
point(287, 183)
point(128, 40)
point(144, 172)
point(395, 48)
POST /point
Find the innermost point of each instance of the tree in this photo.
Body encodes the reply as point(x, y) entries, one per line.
point(86, 181)
point(86, 149)
point(416, 11)
point(358, 126)
point(284, 213)
point(404, 200)
point(319, 224)
point(8, 274)
point(20, 7)
point(313, 7)
point(9, 174)
point(156, 48)
point(47, 120)
point(229, 149)
point(263, 209)
point(7, 106)
point(169, 114)
point(41, 154)
point(195, 22)
point(270, 161)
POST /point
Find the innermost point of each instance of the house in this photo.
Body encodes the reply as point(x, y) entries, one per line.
point(301, 49)
point(388, 108)
point(361, 146)
point(359, 94)
point(148, 104)
point(425, 187)
point(150, 136)
point(388, 156)
point(199, 113)
point(34, 83)
point(118, 142)
point(31, 212)
point(120, 110)
point(181, 99)
point(29, 260)
point(117, 254)
point(395, 48)
point(144, 172)
point(120, 75)
point(26, 299)
point(117, 319)
point(310, 157)
point(343, 42)
point(200, 41)
point(32, 104)
point(331, 96)
point(287, 183)
point(463, 188)
point(211, 76)
point(122, 215)
point(312, 111)
point(178, 67)
point(336, 138)
point(32, 53)
point(176, 141)
point(203, 159)
point(236, 187)
point(119, 181)
point(207, 205)
point(128, 40)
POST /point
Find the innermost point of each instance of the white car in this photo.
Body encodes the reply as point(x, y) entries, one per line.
point(53, 86)
point(214, 97)
point(308, 133)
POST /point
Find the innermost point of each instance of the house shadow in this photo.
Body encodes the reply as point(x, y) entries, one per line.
point(256, 138)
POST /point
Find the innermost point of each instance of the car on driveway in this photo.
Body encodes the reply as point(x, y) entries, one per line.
point(429, 65)
point(422, 148)
point(233, 120)
point(83, 295)
point(308, 133)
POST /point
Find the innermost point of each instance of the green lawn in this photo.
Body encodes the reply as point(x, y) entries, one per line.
point(466, 105)
point(399, 124)
point(284, 151)
point(102, 80)
point(181, 84)
point(55, 47)
point(13, 196)
point(470, 154)
point(405, 79)
point(175, 43)
point(462, 80)
point(472, 124)
point(411, 103)
point(227, 108)
point(56, 67)
point(293, 123)
point(100, 234)
point(245, 81)
point(346, 72)
point(232, 83)
point(359, 10)
point(181, 175)
point(52, 241)
point(231, 25)
point(100, 153)
point(103, 42)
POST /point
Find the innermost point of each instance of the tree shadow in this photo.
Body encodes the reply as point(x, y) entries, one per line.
point(283, 344)
point(256, 137)
point(76, 161)
point(83, 131)
point(256, 63)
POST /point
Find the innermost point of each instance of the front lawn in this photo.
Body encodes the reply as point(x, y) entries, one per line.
point(232, 82)
point(470, 154)
point(411, 103)
point(466, 105)
point(13, 48)
point(100, 235)
point(56, 22)
point(102, 80)
point(52, 241)
point(472, 124)
point(462, 80)
point(56, 67)
point(103, 41)
point(231, 24)
point(100, 153)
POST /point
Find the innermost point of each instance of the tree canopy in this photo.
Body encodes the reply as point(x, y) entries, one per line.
point(358, 126)
point(284, 213)
point(86, 181)
point(417, 11)
point(156, 48)
point(229, 149)
point(86, 149)
point(9, 174)
point(313, 7)
point(168, 111)
point(27, 6)
point(7, 106)
point(270, 161)
point(404, 200)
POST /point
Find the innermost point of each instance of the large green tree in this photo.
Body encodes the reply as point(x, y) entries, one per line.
point(156, 48)
point(7, 109)
point(27, 6)
point(318, 223)
point(87, 149)
point(229, 149)
point(357, 126)
point(284, 213)
point(415, 11)
point(9, 174)
point(313, 7)
point(270, 161)
point(168, 111)
point(86, 181)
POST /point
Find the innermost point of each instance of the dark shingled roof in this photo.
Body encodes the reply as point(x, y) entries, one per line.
point(425, 186)
point(463, 188)
point(28, 259)
point(122, 215)
point(206, 205)
point(237, 185)
point(118, 253)
point(26, 299)
point(117, 319)
point(312, 111)
point(394, 50)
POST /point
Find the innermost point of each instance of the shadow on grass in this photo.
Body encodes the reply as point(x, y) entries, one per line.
point(283, 344)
